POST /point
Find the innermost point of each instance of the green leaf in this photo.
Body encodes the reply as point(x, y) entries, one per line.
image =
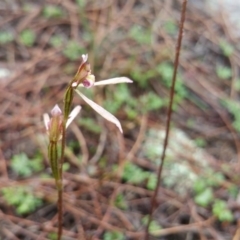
point(152, 181)
point(134, 174)
point(227, 48)
point(22, 198)
point(170, 27)
point(120, 202)
point(56, 41)
point(51, 11)
point(233, 191)
point(6, 37)
point(154, 226)
point(23, 166)
point(237, 84)
point(140, 34)
point(215, 179)
point(90, 124)
point(52, 236)
point(234, 108)
point(131, 112)
point(36, 164)
point(27, 37)
point(73, 50)
point(20, 165)
point(205, 197)
point(199, 185)
point(151, 101)
point(122, 93)
point(66, 166)
point(200, 142)
point(221, 211)
point(223, 72)
point(113, 235)
point(166, 71)
point(81, 3)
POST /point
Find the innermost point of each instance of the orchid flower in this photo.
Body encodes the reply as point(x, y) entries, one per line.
point(88, 82)
point(54, 124)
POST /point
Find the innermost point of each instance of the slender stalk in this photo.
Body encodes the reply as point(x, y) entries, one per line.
point(60, 188)
point(169, 114)
point(60, 214)
point(68, 97)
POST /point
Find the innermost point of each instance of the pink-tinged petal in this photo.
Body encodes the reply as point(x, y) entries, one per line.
point(56, 111)
point(46, 120)
point(73, 114)
point(113, 81)
point(89, 81)
point(104, 113)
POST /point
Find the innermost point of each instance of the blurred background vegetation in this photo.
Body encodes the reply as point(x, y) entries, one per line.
point(109, 177)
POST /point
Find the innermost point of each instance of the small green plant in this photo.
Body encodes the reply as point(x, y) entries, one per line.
point(170, 27)
point(221, 211)
point(237, 84)
point(205, 197)
point(90, 124)
point(142, 76)
point(81, 3)
point(113, 235)
point(233, 191)
point(52, 236)
point(134, 174)
point(203, 189)
point(166, 71)
point(152, 101)
point(140, 34)
point(210, 179)
point(200, 142)
point(24, 166)
point(223, 72)
point(154, 226)
point(120, 202)
point(22, 198)
point(234, 108)
point(152, 181)
point(27, 37)
point(73, 51)
point(6, 37)
point(51, 11)
point(56, 41)
point(116, 101)
point(226, 48)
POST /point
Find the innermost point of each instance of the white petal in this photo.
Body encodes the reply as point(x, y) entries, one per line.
point(74, 84)
point(46, 120)
point(104, 113)
point(84, 57)
point(113, 81)
point(73, 114)
point(56, 111)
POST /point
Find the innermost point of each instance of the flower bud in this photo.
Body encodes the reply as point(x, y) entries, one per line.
point(83, 71)
point(55, 124)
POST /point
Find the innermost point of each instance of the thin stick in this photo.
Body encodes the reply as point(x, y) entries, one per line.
point(169, 114)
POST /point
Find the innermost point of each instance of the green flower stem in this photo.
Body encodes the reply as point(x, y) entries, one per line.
point(68, 97)
point(53, 158)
